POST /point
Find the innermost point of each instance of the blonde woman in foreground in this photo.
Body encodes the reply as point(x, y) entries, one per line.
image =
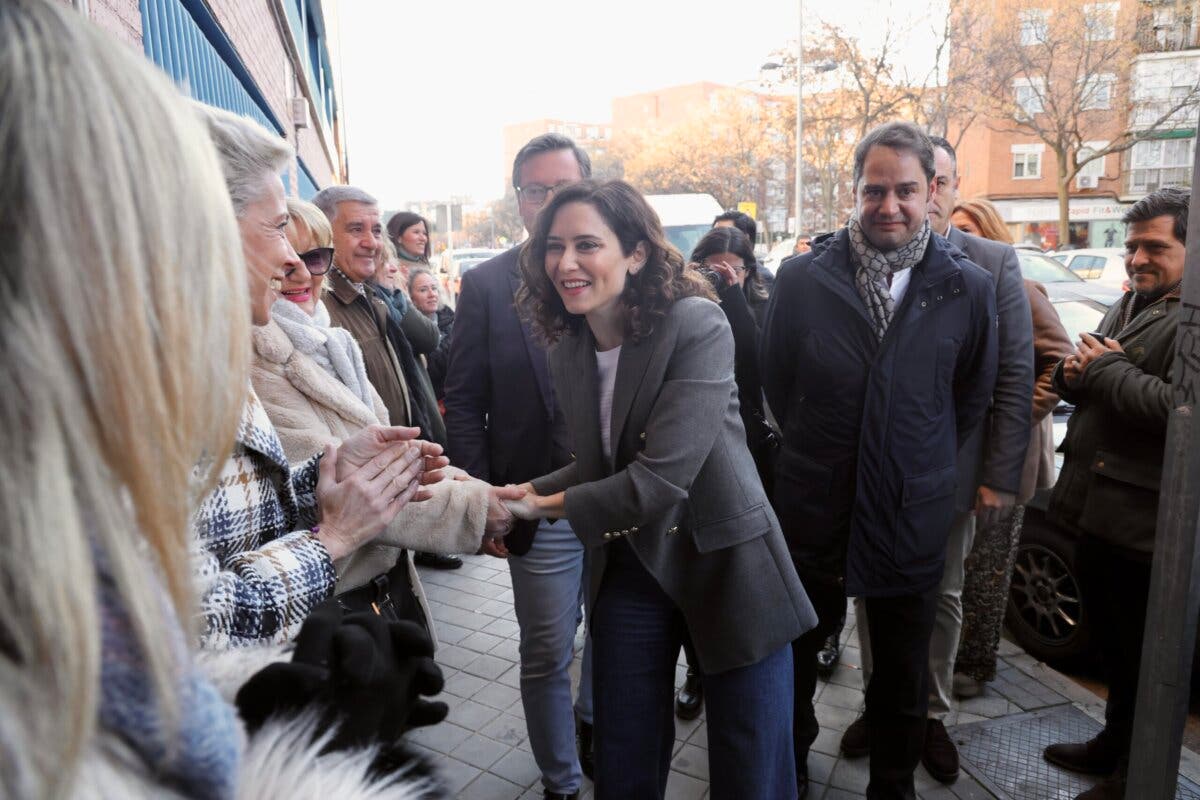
point(110, 398)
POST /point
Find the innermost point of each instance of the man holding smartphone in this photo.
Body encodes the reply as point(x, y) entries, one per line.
point(1119, 381)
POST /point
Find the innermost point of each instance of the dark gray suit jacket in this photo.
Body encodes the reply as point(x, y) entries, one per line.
point(681, 487)
point(994, 454)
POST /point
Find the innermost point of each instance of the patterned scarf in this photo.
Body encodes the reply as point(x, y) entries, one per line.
point(874, 268)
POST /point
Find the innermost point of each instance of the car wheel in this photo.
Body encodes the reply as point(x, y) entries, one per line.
point(1047, 612)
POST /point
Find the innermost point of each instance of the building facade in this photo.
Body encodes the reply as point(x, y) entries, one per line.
point(1018, 171)
point(270, 60)
point(593, 137)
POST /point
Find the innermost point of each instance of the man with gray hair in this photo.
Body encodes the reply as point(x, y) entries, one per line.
point(878, 356)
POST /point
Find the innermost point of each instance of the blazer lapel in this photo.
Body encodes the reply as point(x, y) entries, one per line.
point(537, 355)
point(581, 400)
point(631, 367)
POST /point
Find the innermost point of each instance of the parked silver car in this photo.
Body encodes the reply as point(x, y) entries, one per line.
point(1104, 265)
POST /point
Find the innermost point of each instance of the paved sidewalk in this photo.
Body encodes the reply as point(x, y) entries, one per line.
point(483, 752)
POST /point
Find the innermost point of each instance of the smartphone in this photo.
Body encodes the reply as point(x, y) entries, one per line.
point(1099, 337)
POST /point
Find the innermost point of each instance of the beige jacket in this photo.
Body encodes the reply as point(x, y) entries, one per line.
point(309, 408)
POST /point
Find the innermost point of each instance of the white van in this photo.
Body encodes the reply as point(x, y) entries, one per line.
point(685, 217)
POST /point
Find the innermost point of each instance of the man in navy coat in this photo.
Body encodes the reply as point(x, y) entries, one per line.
point(989, 466)
point(504, 426)
point(878, 357)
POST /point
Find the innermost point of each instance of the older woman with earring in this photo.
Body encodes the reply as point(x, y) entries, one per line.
point(664, 494)
point(270, 533)
point(312, 382)
point(120, 405)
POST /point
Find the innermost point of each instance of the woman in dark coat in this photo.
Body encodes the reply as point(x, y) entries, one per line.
point(726, 257)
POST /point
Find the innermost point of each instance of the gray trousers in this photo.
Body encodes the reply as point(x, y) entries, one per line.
point(947, 623)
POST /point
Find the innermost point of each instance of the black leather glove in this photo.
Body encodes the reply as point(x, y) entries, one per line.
point(379, 672)
point(366, 672)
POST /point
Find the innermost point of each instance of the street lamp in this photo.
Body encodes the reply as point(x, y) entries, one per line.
point(819, 66)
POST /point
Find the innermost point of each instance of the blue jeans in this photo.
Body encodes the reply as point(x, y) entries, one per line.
point(548, 590)
point(636, 634)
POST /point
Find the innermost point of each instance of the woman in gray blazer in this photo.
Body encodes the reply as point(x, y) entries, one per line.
point(665, 496)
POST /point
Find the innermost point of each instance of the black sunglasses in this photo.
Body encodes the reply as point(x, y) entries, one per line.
point(318, 260)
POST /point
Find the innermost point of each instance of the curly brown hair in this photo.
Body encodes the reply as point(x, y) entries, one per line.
point(649, 293)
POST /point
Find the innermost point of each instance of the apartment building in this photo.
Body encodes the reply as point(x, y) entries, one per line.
point(1018, 171)
point(593, 137)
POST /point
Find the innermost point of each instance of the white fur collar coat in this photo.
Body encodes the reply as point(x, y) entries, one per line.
point(309, 407)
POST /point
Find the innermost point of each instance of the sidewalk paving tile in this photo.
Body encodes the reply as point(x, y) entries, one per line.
point(519, 767)
point(490, 787)
point(482, 751)
point(506, 728)
point(488, 667)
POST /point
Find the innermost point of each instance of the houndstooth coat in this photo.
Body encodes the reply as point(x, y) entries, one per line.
point(258, 569)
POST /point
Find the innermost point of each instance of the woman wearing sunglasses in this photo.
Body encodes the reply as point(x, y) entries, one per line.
point(312, 382)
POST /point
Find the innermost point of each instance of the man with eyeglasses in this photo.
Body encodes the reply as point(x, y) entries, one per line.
point(504, 426)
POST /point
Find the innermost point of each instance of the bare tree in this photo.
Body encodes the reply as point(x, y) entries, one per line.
point(737, 150)
point(854, 88)
point(1061, 72)
point(944, 97)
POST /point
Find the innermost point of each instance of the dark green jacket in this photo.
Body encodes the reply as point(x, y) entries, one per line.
point(1108, 487)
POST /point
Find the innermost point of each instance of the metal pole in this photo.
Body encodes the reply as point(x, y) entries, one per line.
point(1174, 601)
point(800, 118)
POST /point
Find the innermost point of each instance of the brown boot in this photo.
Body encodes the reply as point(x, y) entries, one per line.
point(1093, 757)
point(939, 755)
point(1111, 788)
point(856, 741)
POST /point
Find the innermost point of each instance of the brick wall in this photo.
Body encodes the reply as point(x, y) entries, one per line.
point(122, 18)
point(985, 164)
point(250, 26)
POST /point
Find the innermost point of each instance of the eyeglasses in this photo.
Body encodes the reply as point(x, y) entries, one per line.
point(318, 260)
point(536, 193)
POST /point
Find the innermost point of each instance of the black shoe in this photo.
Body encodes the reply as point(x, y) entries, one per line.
point(583, 743)
point(856, 741)
point(436, 561)
point(828, 656)
point(1111, 788)
point(690, 699)
point(939, 755)
point(1093, 757)
point(549, 795)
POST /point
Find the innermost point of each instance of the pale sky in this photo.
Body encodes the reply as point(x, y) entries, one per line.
point(427, 88)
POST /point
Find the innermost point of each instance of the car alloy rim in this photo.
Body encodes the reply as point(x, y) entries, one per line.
point(1045, 595)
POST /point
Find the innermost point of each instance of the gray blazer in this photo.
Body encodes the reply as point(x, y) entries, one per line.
point(681, 487)
point(994, 455)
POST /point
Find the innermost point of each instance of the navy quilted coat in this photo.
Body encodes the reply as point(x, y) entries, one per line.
point(865, 482)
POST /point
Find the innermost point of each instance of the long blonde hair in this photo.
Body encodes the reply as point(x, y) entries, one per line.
point(125, 340)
